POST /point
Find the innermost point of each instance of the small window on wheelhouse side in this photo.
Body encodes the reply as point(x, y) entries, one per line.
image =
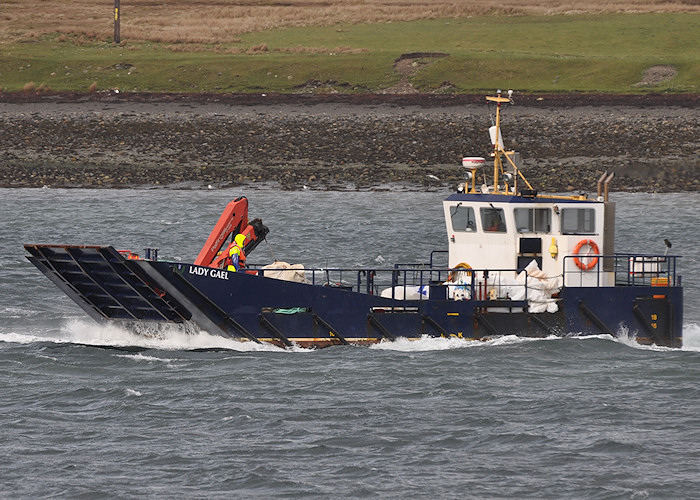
point(578, 221)
point(533, 220)
point(463, 219)
point(493, 220)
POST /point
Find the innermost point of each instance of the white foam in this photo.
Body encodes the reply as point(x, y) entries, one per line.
point(691, 342)
point(625, 338)
point(142, 357)
point(427, 343)
point(166, 222)
point(175, 338)
point(42, 356)
point(630, 341)
point(21, 338)
point(514, 339)
point(691, 337)
point(599, 336)
point(172, 338)
point(132, 392)
point(18, 312)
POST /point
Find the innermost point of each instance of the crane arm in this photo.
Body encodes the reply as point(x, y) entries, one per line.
point(233, 221)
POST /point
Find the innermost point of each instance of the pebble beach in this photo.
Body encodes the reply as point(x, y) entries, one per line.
point(343, 142)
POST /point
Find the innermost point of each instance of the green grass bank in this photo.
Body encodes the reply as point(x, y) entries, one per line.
point(612, 53)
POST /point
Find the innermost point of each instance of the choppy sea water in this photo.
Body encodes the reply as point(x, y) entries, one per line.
point(94, 412)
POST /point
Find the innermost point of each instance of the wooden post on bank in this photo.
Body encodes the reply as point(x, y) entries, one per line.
point(117, 38)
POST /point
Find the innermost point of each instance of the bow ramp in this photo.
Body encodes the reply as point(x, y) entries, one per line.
point(105, 284)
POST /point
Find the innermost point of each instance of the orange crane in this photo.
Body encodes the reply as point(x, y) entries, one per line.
point(233, 221)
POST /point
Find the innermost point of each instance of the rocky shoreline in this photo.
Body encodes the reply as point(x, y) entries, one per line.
point(342, 142)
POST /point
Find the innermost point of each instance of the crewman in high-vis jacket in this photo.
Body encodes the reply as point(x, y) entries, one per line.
point(236, 254)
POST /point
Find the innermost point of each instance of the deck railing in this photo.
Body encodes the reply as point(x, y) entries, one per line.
point(421, 281)
point(626, 269)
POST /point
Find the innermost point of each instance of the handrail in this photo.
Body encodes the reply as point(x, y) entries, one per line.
point(417, 278)
point(629, 269)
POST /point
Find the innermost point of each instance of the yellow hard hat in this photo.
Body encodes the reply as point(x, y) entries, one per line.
point(240, 238)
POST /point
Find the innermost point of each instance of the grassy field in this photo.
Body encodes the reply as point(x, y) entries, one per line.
point(351, 46)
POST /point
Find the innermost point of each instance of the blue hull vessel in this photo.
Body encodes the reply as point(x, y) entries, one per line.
point(517, 263)
point(252, 307)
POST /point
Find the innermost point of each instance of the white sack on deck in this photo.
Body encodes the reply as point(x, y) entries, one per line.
point(541, 281)
point(540, 288)
point(407, 292)
point(458, 290)
point(286, 272)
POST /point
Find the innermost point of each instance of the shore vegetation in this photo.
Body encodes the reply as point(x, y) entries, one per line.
point(351, 46)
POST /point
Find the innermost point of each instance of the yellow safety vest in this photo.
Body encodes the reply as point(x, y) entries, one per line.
point(234, 254)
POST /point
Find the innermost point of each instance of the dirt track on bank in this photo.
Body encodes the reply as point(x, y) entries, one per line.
point(342, 142)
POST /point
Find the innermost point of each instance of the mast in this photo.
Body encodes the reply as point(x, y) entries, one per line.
point(499, 151)
point(497, 148)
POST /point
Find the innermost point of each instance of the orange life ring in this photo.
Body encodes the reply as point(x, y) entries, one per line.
point(461, 265)
point(592, 263)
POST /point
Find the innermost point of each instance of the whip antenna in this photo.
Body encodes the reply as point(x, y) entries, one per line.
point(274, 259)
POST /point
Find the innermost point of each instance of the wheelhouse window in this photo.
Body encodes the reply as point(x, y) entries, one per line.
point(533, 220)
point(578, 221)
point(463, 219)
point(493, 220)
